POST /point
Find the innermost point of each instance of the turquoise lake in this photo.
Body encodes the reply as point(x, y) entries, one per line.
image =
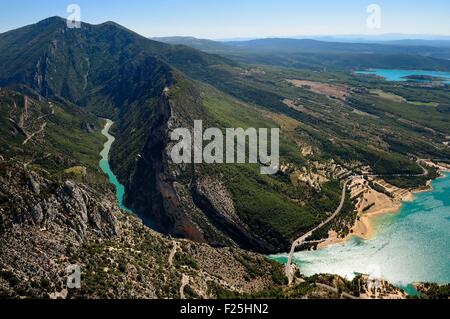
point(398, 75)
point(410, 246)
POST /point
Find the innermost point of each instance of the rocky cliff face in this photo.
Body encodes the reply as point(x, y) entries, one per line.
point(214, 199)
point(182, 200)
point(30, 200)
point(40, 220)
point(45, 226)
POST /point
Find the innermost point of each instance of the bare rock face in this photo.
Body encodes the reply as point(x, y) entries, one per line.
point(35, 182)
point(88, 127)
point(30, 200)
point(182, 199)
point(219, 197)
point(214, 199)
point(45, 226)
point(40, 219)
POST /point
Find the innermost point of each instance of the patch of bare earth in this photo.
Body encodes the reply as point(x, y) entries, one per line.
point(300, 108)
point(337, 91)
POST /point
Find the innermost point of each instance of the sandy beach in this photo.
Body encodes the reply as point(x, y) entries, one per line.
point(364, 228)
point(373, 204)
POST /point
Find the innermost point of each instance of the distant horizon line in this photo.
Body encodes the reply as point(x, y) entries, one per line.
point(398, 36)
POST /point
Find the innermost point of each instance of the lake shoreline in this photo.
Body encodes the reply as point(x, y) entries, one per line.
point(410, 246)
point(398, 75)
point(365, 224)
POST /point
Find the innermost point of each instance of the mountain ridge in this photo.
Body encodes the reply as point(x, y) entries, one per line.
point(279, 50)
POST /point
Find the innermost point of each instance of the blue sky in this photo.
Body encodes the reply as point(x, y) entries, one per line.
point(218, 19)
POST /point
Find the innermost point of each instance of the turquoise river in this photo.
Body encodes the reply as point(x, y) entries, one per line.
point(106, 168)
point(411, 246)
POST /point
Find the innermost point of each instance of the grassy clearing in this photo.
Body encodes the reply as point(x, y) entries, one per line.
point(417, 103)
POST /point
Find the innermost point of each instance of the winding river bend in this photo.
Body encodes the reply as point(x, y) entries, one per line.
point(106, 168)
point(411, 246)
point(120, 189)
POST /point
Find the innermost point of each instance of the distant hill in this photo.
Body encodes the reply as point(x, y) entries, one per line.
point(311, 45)
point(52, 59)
point(200, 44)
point(423, 43)
point(390, 37)
point(311, 53)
